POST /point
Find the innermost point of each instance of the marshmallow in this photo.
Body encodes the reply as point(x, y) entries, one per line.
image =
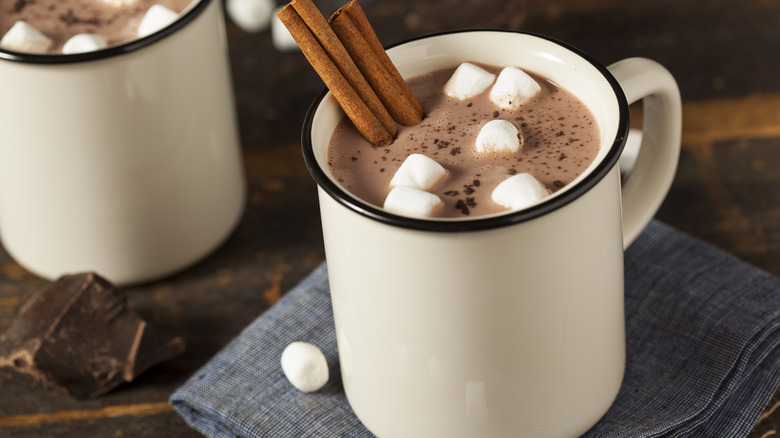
point(156, 18)
point(420, 172)
point(305, 366)
point(84, 42)
point(281, 37)
point(498, 136)
point(251, 15)
point(513, 88)
point(468, 81)
point(409, 201)
point(519, 191)
point(24, 38)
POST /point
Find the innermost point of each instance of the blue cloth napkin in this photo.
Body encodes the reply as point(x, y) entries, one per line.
point(703, 356)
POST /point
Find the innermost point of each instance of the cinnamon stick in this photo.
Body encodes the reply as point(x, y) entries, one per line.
point(338, 54)
point(365, 120)
point(394, 94)
point(351, 19)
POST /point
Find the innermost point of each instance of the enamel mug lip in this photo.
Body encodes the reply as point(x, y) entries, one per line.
point(186, 17)
point(569, 194)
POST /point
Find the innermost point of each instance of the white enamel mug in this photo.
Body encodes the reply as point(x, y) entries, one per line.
point(502, 326)
point(124, 161)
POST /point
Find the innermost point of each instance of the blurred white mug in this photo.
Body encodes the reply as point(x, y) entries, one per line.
point(124, 161)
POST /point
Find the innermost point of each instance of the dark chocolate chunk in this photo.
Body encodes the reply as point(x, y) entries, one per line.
point(77, 336)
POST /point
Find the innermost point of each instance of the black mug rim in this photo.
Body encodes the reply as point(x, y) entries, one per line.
point(479, 223)
point(115, 50)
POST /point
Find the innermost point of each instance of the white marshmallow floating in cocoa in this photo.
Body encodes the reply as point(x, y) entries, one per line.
point(498, 136)
point(420, 172)
point(513, 89)
point(305, 366)
point(84, 42)
point(468, 81)
point(156, 18)
point(22, 37)
point(251, 15)
point(409, 201)
point(519, 191)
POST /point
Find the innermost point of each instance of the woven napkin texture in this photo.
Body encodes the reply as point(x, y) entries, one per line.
point(703, 356)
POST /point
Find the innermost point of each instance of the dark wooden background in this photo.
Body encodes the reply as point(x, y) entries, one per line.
point(725, 55)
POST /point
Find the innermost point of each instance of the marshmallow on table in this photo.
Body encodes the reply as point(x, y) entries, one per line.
point(251, 15)
point(420, 172)
point(468, 81)
point(24, 38)
point(498, 136)
point(305, 366)
point(156, 18)
point(84, 42)
point(513, 88)
point(409, 201)
point(519, 191)
point(280, 36)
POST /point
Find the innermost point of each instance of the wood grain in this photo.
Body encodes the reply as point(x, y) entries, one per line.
point(140, 410)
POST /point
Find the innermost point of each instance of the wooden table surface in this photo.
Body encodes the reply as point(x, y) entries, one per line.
point(725, 55)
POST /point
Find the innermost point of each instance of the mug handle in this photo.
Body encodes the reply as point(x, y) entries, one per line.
point(649, 182)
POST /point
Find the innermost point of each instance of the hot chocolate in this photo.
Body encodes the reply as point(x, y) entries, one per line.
point(115, 21)
point(559, 140)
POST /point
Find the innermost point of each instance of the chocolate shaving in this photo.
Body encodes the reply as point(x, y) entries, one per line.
point(70, 19)
point(19, 6)
point(462, 206)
